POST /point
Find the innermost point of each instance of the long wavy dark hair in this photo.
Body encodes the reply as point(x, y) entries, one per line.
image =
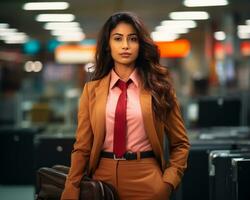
point(155, 78)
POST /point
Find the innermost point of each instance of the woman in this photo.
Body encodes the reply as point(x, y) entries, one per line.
point(123, 115)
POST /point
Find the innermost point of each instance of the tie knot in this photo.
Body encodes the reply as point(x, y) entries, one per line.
point(123, 85)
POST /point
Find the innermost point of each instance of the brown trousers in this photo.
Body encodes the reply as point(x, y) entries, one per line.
point(134, 179)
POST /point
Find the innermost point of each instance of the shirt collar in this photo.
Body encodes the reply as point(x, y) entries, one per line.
point(133, 76)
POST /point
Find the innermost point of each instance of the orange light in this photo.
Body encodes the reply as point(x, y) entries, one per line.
point(219, 50)
point(74, 54)
point(176, 49)
point(222, 49)
point(245, 48)
point(76, 47)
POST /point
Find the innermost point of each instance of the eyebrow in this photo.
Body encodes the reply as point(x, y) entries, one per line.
point(131, 34)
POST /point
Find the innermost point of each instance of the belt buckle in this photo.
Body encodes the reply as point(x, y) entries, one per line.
point(121, 158)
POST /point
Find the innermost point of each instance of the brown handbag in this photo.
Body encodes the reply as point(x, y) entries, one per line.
point(50, 185)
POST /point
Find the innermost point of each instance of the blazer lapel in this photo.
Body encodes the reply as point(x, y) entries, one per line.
point(101, 95)
point(147, 113)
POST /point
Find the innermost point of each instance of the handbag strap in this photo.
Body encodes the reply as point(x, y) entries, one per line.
point(111, 192)
point(102, 189)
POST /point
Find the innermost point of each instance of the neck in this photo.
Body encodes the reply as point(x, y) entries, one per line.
point(124, 71)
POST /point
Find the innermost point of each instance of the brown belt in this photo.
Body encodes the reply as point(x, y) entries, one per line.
point(128, 155)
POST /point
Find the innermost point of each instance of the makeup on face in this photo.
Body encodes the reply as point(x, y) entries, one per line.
point(124, 44)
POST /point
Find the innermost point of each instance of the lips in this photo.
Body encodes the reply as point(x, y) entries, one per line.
point(125, 54)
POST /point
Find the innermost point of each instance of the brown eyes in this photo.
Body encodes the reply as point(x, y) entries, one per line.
point(117, 38)
point(133, 39)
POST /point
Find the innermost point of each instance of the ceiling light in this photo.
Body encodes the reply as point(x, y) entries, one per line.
point(194, 15)
point(70, 38)
point(46, 6)
point(204, 3)
point(4, 31)
point(179, 23)
point(220, 35)
point(55, 25)
point(179, 30)
point(4, 25)
point(55, 17)
point(15, 40)
point(161, 36)
point(248, 21)
point(62, 28)
point(15, 37)
point(67, 32)
point(244, 28)
point(12, 34)
point(244, 35)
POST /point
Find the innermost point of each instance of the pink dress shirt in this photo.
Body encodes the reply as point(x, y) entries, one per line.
point(137, 139)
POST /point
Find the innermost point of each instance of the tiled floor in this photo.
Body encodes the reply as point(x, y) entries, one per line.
point(17, 192)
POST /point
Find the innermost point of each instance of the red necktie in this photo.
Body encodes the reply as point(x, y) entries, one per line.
point(119, 147)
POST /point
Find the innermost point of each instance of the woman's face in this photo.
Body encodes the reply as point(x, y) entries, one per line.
point(124, 44)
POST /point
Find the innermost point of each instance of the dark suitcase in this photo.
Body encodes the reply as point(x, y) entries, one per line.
point(53, 149)
point(195, 182)
point(50, 184)
point(241, 178)
point(17, 155)
point(220, 172)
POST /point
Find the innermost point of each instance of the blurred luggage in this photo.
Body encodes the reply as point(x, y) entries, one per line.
point(17, 155)
point(50, 185)
point(241, 178)
point(195, 182)
point(220, 172)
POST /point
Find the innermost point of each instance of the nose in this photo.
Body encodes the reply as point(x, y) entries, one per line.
point(125, 44)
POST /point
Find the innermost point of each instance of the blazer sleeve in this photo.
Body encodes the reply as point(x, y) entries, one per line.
point(81, 150)
point(178, 147)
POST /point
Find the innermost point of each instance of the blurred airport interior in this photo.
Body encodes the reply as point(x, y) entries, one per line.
point(46, 57)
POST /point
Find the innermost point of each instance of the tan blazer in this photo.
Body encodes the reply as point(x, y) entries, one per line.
point(91, 134)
